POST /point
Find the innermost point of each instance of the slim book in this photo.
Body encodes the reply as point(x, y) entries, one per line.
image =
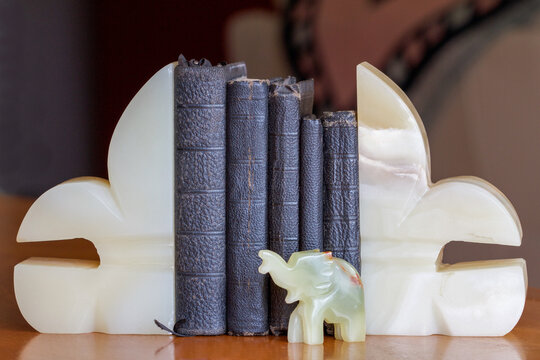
point(288, 101)
point(311, 183)
point(341, 207)
point(247, 226)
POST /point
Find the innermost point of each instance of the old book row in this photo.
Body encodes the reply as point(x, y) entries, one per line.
point(254, 169)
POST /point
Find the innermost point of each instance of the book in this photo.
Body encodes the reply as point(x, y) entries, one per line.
point(311, 183)
point(200, 200)
point(288, 101)
point(341, 207)
point(247, 226)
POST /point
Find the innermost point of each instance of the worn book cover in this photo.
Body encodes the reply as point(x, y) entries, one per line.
point(311, 183)
point(247, 225)
point(341, 207)
point(288, 101)
point(200, 195)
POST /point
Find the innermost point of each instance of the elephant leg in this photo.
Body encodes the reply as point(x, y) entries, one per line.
point(313, 327)
point(337, 332)
point(295, 331)
point(353, 329)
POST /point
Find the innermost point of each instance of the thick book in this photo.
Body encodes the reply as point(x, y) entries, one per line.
point(311, 183)
point(288, 101)
point(247, 226)
point(341, 203)
point(200, 200)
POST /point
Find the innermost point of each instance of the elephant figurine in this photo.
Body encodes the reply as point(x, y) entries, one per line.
point(326, 288)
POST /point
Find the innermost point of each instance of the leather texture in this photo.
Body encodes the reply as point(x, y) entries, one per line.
point(341, 207)
point(311, 183)
point(287, 103)
point(200, 200)
point(247, 227)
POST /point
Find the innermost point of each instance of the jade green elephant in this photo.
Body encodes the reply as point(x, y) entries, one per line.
point(327, 289)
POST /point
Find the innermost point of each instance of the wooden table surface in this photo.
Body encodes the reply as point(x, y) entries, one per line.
point(19, 341)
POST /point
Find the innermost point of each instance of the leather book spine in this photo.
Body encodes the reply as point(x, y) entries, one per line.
point(286, 106)
point(341, 204)
point(311, 183)
point(200, 199)
point(247, 227)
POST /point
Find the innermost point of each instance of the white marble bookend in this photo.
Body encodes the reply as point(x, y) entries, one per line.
point(129, 219)
point(406, 221)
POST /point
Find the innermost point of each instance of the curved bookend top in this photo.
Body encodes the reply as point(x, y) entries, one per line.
point(128, 218)
point(387, 112)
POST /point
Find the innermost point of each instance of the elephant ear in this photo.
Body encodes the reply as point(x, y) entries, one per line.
point(349, 270)
point(321, 270)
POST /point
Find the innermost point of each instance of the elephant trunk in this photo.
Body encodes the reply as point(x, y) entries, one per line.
point(278, 269)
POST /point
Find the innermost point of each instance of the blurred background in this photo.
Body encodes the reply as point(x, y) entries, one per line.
point(472, 68)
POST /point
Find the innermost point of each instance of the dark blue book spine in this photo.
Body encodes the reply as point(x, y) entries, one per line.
point(311, 183)
point(200, 200)
point(341, 207)
point(287, 103)
point(247, 226)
